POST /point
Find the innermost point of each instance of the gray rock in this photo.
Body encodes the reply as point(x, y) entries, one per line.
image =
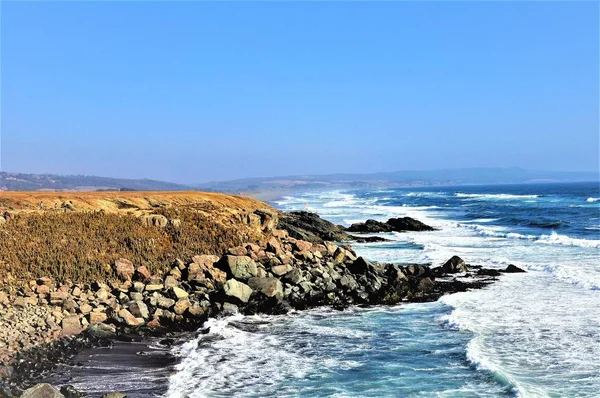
point(455, 265)
point(270, 287)
point(240, 267)
point(294, 276)
point(237, 290)
point(102, 330)
point(42, 390)
point(139, 309)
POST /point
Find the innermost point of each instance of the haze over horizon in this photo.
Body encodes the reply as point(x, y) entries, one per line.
point(193, 92)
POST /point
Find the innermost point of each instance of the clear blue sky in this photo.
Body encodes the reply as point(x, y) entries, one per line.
point(197, 91)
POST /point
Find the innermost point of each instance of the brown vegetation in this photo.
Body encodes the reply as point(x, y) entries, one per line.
point(78, 235)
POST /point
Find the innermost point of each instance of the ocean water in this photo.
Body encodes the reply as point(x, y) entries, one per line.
point(528, 335)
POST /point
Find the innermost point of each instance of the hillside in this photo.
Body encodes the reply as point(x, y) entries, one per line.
point(37, 182)
point(79, 235)
point(465, 176)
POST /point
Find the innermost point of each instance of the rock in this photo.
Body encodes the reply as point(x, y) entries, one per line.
point(142, 273)
point(370, 226)
point(70, 392)
point(369, 239)
point(348, 283)
point(339, 256)
point(164, 302)
point(294, 276)
point(42, 390)
point(302, 245)
point(85, 309)
point(310, 227)
point(155, 220)
point(270, 287)
point(488, 272)
point(240, 267)
point(130, 319)
point(71, 325)
point(58, 297)
point(171, 281)
point(179, 292)
point(408, 224)
point(237, 290)
point(114, 395)
point(152, 287)
point(139, 309)
point(6, 372)
point(136, 296)
point(280, 270)
point(513, 268)
point(95, 317)
point(181, 306)
point(274, 246)
point(237, 251)
point(124, 269)
point(393, 224)
point(455, 265)
point(204, 267)
point(360, 266)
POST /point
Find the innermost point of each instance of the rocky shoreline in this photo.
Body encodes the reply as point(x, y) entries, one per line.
point(48, 321)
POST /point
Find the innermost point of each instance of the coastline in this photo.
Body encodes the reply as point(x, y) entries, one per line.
point(271, 277)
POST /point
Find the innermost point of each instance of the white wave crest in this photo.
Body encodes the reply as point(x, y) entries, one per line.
point(494, 196)
point(593, 200)
point(557, 239)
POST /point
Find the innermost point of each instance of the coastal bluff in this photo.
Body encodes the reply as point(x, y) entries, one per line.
point(81, 269)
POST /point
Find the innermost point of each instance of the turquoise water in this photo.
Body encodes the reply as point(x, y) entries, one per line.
point(400, 351)
point(528, 335)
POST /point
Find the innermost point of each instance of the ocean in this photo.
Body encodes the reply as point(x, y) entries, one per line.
point(529, 335)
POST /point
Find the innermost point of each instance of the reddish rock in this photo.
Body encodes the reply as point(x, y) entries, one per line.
point(71, 325)
point(96, 317)
point(302, 245)
point(142, 273)
point(124, 269)
point(274, 246)
point(238, 251)
point(130, 319)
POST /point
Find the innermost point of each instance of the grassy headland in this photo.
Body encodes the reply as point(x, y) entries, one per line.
point(79, 235)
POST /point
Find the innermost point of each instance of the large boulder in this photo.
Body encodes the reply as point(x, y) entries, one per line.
point(139, 309)
point(42, 390)
point(240, 267)
point(393, 224)
point(71, 325)
point(270, 287)
point(310, 227)
point(513, 268)
point(408, 224)
point(238, 291)
point(360, 266)
point(455, 265)
point(370, 226)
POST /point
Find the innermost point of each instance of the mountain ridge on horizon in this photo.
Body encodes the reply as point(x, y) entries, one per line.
point(12, 181)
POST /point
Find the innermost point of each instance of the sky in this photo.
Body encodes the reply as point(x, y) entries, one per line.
point(199, 91)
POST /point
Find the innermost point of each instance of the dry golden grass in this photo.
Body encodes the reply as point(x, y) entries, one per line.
point(78, 235)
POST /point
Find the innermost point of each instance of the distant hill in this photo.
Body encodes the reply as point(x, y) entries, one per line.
point(40, 182)
point(466, 176)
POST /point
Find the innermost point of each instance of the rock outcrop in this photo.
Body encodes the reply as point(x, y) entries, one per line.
point(392, 225)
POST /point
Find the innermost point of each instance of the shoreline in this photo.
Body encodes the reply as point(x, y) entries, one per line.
point(273, 276)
